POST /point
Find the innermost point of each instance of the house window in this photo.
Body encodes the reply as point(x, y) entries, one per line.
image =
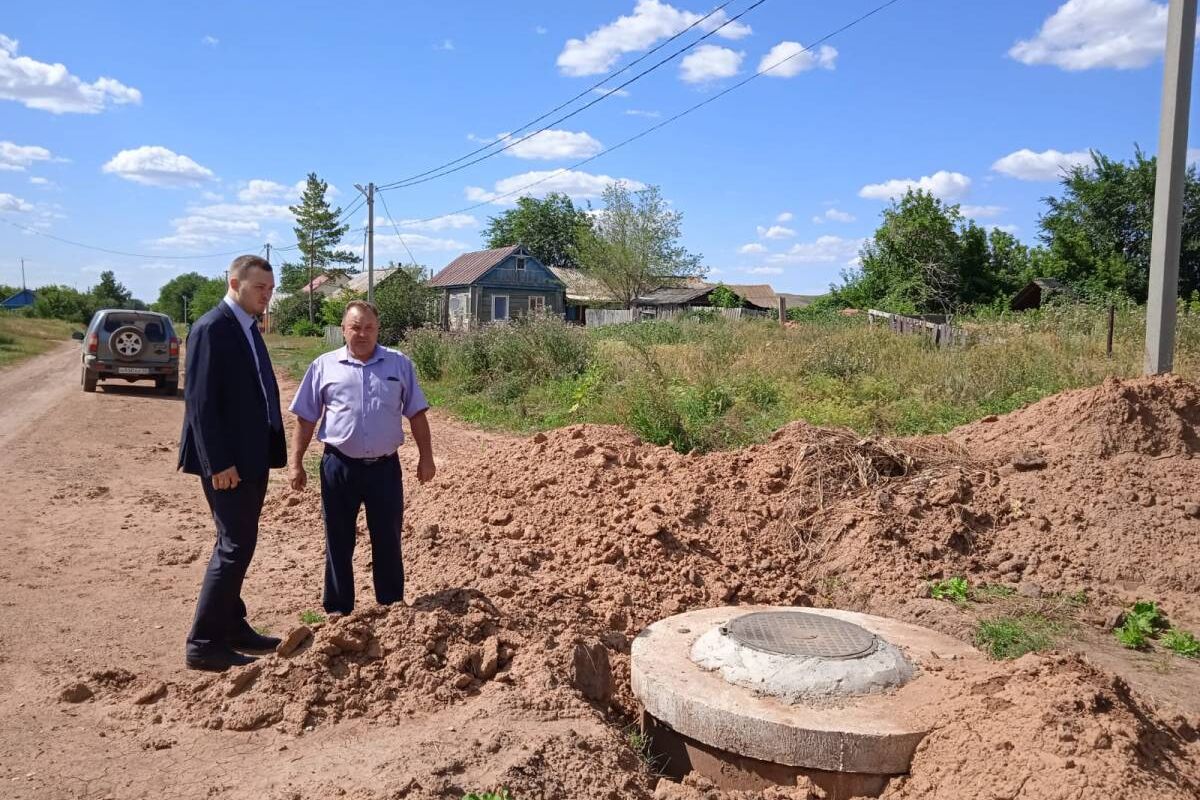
point(499, 307)
point(520, 263)
point(537, 305)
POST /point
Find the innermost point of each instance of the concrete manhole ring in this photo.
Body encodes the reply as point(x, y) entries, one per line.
point(798, 633)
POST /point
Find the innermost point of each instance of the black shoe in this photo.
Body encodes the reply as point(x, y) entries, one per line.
point(252, 641)
point(218, 660)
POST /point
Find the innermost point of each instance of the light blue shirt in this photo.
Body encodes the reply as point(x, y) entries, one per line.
point(245, 320)
point(362, 402)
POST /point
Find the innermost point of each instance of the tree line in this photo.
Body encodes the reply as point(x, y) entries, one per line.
point(926, 257)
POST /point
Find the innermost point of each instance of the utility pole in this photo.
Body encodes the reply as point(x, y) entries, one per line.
point(1168, 187)
point(185, 299)
point(268, 252)
point(310, 280)
point(370, 193)
point(22, 274)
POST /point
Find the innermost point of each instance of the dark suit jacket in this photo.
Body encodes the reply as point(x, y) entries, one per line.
point(225, 417)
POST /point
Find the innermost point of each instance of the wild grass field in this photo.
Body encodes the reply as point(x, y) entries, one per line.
point(705, 384)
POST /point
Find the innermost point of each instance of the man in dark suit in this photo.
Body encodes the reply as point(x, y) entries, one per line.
point(232, 435)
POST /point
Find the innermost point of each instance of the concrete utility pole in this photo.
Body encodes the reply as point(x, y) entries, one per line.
point(22, 274)
point(268, 252)
point(370, 193)
point(1168, 187)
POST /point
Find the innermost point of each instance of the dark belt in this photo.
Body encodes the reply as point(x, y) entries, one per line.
point(366, 462)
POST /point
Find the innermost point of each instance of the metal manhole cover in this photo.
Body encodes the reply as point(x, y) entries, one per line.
point(796, 633)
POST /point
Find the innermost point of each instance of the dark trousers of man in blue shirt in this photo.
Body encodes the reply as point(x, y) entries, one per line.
point(346, 485)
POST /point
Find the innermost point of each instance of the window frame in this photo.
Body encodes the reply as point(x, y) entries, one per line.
point(507, 308)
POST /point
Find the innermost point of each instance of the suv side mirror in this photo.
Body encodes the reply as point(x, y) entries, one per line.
point(77, 335)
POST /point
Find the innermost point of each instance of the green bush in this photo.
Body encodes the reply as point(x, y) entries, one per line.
point(293, 309)
point(306, 328)
point(429, 353)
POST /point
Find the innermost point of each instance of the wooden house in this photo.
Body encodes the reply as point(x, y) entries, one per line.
point(495, 286)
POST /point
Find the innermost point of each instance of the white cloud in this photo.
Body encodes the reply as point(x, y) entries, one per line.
point(219, 223)
point(157, 166)
point(765, 270)
point(10, 202)
point(16, 157)
point(389, 245)
point(982, 212)
point(823, 250)
point(445, 44)
point(637, 112)
point(941, 184)
point(650, 21)
point(605, 92)
point(789, 59)
point(259, 190)
point(1047, 165)
point(775, 232)
point(541, 30)
point(710, 62)
point(833, 215)
point(1091, 34)
point(573, 183)
point(752, 248)
point(448, 222)
point(51, 87)
point(37, 180)
point(210, 41)
point(1012, 229)
point(786, 216)
point(554, 144)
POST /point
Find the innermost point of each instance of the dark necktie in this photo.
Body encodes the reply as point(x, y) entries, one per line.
point(267, 376)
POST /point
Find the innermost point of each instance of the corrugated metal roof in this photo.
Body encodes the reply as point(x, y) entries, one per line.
point(757, 294)
point(582, 287)
point(470, 267)
point(358, 283)
point(670, 295)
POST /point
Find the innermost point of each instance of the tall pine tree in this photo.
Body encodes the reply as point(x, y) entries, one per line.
point(318, 234)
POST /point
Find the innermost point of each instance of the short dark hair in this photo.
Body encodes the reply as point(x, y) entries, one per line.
point(243, 264)
point(363, 304)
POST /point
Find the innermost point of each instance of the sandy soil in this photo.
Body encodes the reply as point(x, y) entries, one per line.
point(524, 551)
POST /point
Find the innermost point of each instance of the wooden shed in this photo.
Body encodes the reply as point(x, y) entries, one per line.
point(494, 286)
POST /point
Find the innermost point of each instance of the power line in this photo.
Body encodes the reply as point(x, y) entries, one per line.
point(396, 228)
point(599, 84)
point(671, 119)
point(99, 249)
point(440, 172)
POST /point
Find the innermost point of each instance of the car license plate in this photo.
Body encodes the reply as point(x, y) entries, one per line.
point(133, 370)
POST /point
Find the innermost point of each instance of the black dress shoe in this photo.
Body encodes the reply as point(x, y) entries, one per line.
point(218, 660)
point(252, 641)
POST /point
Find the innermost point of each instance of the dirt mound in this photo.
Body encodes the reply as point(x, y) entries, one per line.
point(382, 663)
point(1151, 416)
point(1051, 728)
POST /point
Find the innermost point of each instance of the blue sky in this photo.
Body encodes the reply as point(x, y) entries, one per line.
point(181, 129)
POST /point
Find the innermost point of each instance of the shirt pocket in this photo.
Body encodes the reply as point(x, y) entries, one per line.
point(389, 390)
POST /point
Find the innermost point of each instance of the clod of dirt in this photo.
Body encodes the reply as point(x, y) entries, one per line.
point(591, 672)
point(75, 692)
point(151, 694)
point(292, 642)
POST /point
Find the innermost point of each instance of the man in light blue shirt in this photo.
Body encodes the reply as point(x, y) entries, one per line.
point(360, 393)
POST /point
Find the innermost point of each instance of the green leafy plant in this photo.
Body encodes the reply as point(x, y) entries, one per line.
point(1181, 643)
point(311, 617)
point(496, 794)
point(1143, 622)
point(955, 590)
point(1013, 637)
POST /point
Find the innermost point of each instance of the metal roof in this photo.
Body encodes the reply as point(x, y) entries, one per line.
point(670, 295)
point(470, 267)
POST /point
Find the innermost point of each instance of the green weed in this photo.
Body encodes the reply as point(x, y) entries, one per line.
point(1143, 622)
point(496, 794)
point(992, 591)
point(310, 617)
point(1013, 637)
point(956, 590)
point(1181, 643)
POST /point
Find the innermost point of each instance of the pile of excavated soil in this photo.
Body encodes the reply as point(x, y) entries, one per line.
point(544, 559)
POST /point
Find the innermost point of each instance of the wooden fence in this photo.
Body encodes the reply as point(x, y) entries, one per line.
point(941, 334)
point(597, 317)
point(333, 336)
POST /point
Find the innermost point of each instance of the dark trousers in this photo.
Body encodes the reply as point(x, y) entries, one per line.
point(220, 612)
point(347, 485)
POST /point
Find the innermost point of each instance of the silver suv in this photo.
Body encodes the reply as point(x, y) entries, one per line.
point(130, 346)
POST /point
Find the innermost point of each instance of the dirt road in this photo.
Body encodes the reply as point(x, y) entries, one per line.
point(104, 545)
